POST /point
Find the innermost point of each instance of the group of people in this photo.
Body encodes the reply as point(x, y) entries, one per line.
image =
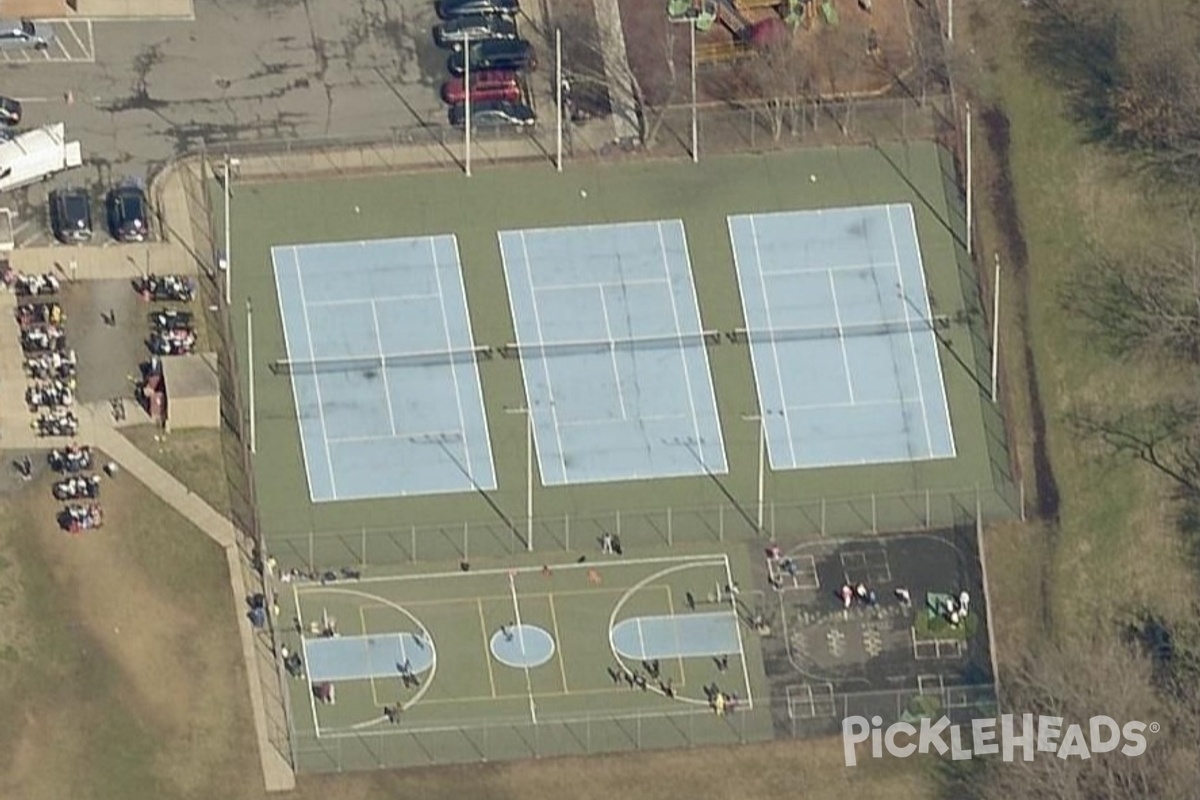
point(859, 592)
point(721, 702)
point(955, 609)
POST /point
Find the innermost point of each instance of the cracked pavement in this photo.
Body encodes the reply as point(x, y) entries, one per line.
point(244, 70)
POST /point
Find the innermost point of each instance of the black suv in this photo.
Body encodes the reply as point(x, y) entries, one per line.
point(493, 114)
point(128, 214)
point(449, 9)
point(506, 54)
point(455, 32)
point(10, 111)
point(71, 215)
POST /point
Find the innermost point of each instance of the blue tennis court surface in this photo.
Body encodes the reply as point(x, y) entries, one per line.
point(677, 636)
point(384, 408)
point(613, 353)
point(347, 658)
point(842, 337)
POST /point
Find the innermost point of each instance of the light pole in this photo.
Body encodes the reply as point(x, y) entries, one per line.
point(250, 368)
point(691, 19)
point(762, 460)
point(559, 96)
point(528, 471)
point(695, 127)
point(467, 98)
point(226, 180)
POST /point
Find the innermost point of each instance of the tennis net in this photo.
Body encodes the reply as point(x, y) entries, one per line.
point(870, 329)
point(673, 341)
point(372, 365)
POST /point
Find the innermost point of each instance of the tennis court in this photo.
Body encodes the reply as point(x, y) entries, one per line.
point(842, 337)
point(384, 410)
point(535, 645)
point(614, 354)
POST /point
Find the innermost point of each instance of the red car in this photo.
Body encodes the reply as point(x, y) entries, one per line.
point(486, 85)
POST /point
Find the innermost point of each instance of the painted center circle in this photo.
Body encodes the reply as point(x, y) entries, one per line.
point(522, 646)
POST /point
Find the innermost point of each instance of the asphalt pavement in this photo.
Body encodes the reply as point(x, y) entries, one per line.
point(138, 93)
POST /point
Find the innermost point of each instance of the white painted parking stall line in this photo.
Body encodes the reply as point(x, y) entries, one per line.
point(74, 41)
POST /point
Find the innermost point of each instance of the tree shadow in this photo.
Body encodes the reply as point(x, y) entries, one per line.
point(1077, 46)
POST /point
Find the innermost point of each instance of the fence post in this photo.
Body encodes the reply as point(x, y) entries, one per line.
point(928, 511)
point(311, 544)
point(721, 523)
point(874, 516)
point(670, 531)
point(567, 529)
point(414, 543)
point(363, 553)
point(822, 516)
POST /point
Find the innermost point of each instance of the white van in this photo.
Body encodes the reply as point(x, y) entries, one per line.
point(36, 155)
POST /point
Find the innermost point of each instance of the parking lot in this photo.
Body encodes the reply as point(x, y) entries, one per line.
point(74, 41)
point(269, 70)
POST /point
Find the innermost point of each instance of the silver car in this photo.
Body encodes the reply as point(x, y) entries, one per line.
point(24, 33)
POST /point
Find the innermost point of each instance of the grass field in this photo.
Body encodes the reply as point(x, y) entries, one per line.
point(906, 496)
point(1114, 540)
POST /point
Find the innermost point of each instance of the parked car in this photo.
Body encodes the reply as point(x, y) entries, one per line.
point(486, 85)
point(10, 111)
point(493, 114)
point(22, 33)
point(454, 32)
point(128, 215)
point(71, 215)
point(449, 9)
point(505, 54)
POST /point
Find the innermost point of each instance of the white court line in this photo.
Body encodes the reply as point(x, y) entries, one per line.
point(316, 378)
point(387, 391)
point(687, 373)
point(683, 561)
point(549, 287)
point(361, 300)
point(860, 404)
point(312, 696)
point(537, 319)
point(912, 221)
point(413, 436)
point(512, 585)
point(912, 341)
point(840, 268)
point(637, 621)
point(287, 346)
point(712, 390)
point(762, 282)
point(737, 626)
point(462, 422)
point(837, 315)
point(612, 354)
point(474, 367)
point(568, 230)
point(580, 423)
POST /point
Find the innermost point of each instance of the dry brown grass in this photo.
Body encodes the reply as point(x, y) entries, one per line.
point(193, 456)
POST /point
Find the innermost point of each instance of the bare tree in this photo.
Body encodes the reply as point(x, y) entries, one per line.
point(1133, 73)
point(1095, 672)
point(600, 81)
point(781, 77)
point(1164, 435)
point(1142, 305)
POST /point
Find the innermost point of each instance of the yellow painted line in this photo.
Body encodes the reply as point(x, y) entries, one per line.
point(558, 649)
point(487, 653)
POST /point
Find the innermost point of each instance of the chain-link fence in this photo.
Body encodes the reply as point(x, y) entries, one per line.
point(199, 237)
point(916, 510)
point(796, 712)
